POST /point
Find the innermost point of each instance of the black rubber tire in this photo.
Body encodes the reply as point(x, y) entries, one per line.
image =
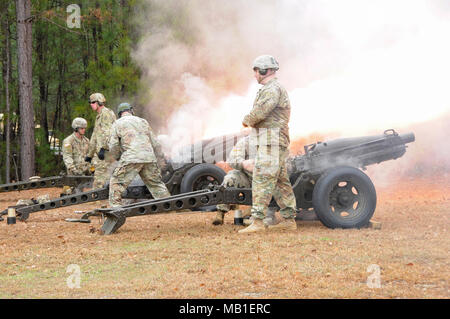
point(334, 203)
point(199, 171)
point(205, 171)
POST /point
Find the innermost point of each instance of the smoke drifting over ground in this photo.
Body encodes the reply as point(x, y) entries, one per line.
point(352, 67)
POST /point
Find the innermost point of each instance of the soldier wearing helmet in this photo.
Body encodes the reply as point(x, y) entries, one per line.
point(98, 146)
point(132, 140)
point(75, 148)
point(269, 119)
point(124, 107)
point(265, 67)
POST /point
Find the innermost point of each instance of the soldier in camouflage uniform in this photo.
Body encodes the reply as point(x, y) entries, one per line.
point(269, 119)
point(75, 148)
point(132, 140)
point(237, 177)
point(98, 146)
point(240, 176)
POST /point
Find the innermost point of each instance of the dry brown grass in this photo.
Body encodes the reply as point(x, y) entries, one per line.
point(183, 256)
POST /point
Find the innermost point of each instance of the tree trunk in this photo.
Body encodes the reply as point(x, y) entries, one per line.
point(24, 63)
point(58, 110)
point(41, 46)
point(8, 106)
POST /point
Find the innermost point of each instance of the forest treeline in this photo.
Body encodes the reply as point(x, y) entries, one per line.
point(39, 101)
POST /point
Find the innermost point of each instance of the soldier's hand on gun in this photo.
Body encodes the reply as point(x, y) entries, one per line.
point(101, 154)
point(248, 165)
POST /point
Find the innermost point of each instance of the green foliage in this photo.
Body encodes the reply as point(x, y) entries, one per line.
point(69, 65)
point(48, 161)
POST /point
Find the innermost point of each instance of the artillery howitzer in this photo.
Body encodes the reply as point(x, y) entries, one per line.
point(327, 178)
point(187, 178)
point(47, 182)
point(190, 173)
point(77, 182)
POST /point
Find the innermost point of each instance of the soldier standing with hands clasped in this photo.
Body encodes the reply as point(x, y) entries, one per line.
point(75, 148)
point(98, 145)
point(269, 120)
point(140, 153)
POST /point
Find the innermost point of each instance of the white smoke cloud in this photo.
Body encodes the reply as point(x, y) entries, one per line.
point(350, 66)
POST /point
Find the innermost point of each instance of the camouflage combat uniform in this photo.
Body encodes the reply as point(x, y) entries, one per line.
point(99, 139)
point(140, 153)
point(74, 151)
point(270, 118)
point(238, 176)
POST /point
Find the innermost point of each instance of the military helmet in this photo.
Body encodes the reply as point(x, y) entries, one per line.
point(97, 97)
point(264, 62)
point(79, 122)
point(123, 107)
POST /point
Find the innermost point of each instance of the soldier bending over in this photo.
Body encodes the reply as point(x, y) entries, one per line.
point(140, 153)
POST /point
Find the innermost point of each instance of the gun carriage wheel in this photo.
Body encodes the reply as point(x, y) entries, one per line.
point(201, 177)
point(344, 197)
point(303, 187)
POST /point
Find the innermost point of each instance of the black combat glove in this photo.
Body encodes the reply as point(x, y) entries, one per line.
point(88, 159)
point(101, 154)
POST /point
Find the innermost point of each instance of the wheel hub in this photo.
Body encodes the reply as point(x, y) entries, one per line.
point(344, 199)
point(204, 182)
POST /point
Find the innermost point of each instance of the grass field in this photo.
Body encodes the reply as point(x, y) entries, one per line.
point(181, 255)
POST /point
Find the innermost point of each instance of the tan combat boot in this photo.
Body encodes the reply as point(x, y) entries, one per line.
point(285, 224)
point(218, 220)
point(256, 226)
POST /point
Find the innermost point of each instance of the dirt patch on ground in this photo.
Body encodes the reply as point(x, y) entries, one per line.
point(181, 255)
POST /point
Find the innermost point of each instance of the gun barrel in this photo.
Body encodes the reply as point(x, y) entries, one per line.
point(408, 137)
point(357, 152)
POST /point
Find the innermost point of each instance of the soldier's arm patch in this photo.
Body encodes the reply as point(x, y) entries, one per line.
point(68, 147)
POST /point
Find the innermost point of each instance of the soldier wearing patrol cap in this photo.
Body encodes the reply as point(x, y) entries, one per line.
point(98, 146)
point(269, 119)
point(133, 143)
point(75, 148)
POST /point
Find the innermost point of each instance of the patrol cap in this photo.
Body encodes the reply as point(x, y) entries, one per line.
point(264, 62)
point(123, 107)
point(79, 122)
point(97, 97)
